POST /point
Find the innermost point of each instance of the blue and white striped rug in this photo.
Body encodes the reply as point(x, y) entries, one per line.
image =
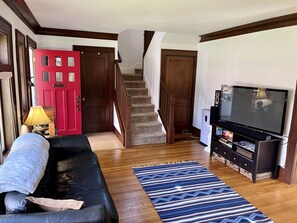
point(188, 192)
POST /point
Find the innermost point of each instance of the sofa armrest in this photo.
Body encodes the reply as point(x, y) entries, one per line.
point(92, 214)
point(67, 146)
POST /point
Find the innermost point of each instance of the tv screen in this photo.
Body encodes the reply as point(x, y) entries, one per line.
point(259, 108)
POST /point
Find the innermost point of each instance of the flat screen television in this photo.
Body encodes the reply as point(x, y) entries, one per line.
point(257, 108)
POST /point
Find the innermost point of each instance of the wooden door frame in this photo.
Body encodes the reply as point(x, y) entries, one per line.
point(112, 73)
point(191, 53)
point(6, 29)
point(291, 158)
point(22, 74)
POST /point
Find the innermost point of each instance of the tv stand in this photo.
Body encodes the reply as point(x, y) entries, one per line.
point(253, 153)
point(257, 134)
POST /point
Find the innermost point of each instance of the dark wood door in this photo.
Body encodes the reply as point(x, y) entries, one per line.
point(178, 71)
point(97, 81)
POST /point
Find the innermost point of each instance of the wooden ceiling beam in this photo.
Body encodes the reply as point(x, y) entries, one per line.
point(76, 33)
point(267, 24)
point(21, 9)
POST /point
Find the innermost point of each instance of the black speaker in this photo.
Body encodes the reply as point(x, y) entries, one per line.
point(217, 98)
point(214, 115)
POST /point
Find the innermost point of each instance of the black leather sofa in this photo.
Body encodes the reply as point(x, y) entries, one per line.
point(72, 172)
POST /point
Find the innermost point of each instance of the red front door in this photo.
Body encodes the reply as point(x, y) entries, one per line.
point(58, 85)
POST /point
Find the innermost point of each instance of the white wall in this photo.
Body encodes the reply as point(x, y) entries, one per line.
point(152, 68)
point(180, 42)
point(66, 43)
point(131, 49)
point(267, 58)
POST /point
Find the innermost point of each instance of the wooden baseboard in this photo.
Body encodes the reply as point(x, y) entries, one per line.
point(118, 135)
point(281, 174)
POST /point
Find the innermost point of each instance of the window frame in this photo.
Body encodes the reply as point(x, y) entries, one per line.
point(30, 44)
point(22, 74)
point(9, 129)
point(6, 28)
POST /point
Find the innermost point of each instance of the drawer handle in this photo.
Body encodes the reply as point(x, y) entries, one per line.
point(245, 164)
point(234, 158)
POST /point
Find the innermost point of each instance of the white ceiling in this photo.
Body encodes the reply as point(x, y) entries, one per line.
point(174, 16)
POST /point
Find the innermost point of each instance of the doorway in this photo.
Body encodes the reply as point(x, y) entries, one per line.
point(58, 85)
point(178, 71)
point(97, 85)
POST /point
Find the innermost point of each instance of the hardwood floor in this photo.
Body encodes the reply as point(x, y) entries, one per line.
point(274, 198)
point(103, 141)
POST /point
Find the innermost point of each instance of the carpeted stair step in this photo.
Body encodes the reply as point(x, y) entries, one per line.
point(132, 77)
point(135, 84)
point(141, 99)
point(138, 71)
point(144, 117)
point(137, 91)
point(148, 138)
point(142, 108)
point(146, 127)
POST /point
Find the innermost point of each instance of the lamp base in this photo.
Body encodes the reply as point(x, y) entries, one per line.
point(39, 129)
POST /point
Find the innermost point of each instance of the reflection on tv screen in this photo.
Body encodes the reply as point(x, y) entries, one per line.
point(259, 108)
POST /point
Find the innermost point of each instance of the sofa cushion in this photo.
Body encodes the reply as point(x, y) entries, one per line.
point(83, 160)
point(92, 198)
point(25, 165)
point(94, 214)
point(79, 180)
point(84, 182)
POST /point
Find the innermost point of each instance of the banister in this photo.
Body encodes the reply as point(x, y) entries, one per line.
point(166, 110)
point(124, 104)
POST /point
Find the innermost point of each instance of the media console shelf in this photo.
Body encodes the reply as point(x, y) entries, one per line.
point(245, 150)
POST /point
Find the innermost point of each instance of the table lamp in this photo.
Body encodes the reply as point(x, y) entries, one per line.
point(260, 98)
point(36, 118)
point(261, 94)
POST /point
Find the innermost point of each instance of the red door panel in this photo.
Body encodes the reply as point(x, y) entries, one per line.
point(58, 84)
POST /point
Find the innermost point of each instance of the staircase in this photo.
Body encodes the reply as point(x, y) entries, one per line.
point(146, 129)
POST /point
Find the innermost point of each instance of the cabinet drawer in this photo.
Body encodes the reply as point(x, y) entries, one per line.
point(234, 158)
point(246, 164)
point(217, 148)
point(225, 152)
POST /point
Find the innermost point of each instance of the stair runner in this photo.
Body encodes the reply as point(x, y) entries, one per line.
point(146, 129)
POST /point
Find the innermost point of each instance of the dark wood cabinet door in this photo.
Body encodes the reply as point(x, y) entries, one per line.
point(178, 71)
point(97, 65)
